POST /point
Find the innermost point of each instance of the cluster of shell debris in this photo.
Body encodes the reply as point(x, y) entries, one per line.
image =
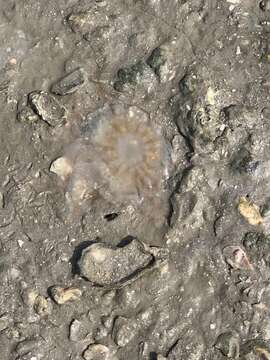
point(134, 180)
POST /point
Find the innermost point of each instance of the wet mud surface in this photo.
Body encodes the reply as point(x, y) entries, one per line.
point(134, 180)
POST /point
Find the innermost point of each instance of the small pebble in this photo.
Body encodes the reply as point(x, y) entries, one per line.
point(28, 345)
point(101, 333)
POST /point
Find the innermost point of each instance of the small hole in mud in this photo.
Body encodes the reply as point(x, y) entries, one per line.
point(127, 240)
point(153, 356)
point(263, 5)
point(110, 217)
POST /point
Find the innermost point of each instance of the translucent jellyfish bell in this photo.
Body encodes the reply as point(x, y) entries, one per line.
point(132, 149)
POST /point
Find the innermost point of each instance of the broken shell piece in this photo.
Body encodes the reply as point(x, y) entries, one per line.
point(265, 209)
point(249, 211)
point(263, 352)
point(106, 266)
point(229, 345)
point(61, 167)
point(4, 322)
point(47, 107)
point(62, 295)
point(98, 352)
point(79, 22)
point(69, 83)
point(237, 258)
point(42, 306)
point(79, 190)
point(29, 296)
point(256, 346)
point(2, 201)
point(27, 115)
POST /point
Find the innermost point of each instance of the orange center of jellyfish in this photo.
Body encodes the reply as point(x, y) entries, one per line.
point(130, 150)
